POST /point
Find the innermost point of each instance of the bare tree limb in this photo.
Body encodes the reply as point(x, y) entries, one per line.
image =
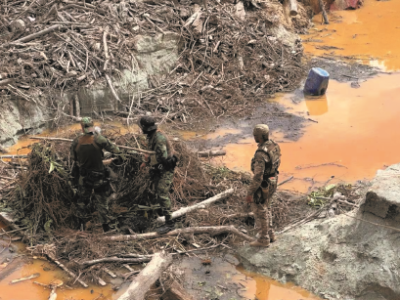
point(147, 277)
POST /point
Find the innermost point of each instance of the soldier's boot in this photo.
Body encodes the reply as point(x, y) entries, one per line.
point(167, 227)
point(262, 242)
point(272, 236)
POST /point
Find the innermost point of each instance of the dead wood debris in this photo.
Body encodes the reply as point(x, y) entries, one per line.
point(52, 47)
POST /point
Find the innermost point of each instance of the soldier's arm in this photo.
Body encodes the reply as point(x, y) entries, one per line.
point(161, 149)
point(105, 143)
point(259, 166)
point(72, 149)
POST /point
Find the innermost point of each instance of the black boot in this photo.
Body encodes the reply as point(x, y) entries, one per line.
point(167, 227)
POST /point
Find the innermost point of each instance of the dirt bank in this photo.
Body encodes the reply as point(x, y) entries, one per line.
point(350, 256)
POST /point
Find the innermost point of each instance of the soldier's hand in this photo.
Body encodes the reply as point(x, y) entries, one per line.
point(249, 199)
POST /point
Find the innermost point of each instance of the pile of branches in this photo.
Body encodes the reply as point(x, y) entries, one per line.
point(227, 61)
point(43, 196)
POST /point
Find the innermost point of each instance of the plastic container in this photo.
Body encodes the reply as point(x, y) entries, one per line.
point(317, 82)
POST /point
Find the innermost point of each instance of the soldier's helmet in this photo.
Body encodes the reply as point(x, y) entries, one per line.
point(87, 125)
point(261, 130)
point(147, 123)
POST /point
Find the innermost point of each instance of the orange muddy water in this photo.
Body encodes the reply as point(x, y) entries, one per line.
point(369, 34)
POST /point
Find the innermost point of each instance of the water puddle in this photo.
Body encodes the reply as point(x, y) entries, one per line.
point(368, 34)
point(224, 280)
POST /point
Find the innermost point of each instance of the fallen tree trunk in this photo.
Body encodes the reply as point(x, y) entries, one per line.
point(147, 277)
point(211, 153)
point(212, 230)
point(203, 204)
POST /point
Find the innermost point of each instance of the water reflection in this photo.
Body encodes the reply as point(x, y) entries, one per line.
point(316, 105)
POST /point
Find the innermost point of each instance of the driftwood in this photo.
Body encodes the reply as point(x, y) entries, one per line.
point(211, 153)
point(212, 230)
point(117, 260)
point(33, 276)
point(147, 277)
point(203, 204)
point(69, 272)
point(14, 156)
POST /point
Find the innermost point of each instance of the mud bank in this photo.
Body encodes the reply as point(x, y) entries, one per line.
point(350, 256)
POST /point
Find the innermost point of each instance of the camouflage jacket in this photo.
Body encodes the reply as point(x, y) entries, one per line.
point(86, 149)
point(261, 164)
point(159, 143)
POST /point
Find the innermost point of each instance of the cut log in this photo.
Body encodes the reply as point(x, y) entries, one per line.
point(293, 8)
point(147, 277)
point(203, 204)
point(212, 230)
point(211, 153)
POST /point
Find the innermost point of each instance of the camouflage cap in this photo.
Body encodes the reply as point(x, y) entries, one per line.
point(261, 129)
point(87, 125)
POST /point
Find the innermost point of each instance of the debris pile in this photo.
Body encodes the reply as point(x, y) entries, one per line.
point(229, 56)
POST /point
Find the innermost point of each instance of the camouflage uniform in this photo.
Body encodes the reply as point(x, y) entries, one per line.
point(163, 178)
point(86, 150)
point(264, 166)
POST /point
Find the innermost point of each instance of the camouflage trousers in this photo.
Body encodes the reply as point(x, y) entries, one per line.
point(93, 196)
point(261, 208)
point(162, 185)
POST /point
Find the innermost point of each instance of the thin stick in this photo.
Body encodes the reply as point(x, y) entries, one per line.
point(116, 259)
point(212, 230)
point(14, 156)
point(77, 106)
point(116, 97)
point(106, 55)
point(286, 180)
point(37, 34)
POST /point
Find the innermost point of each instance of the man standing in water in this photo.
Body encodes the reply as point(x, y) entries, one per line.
point(162, 166)
point(264, 166)
point(87, 153)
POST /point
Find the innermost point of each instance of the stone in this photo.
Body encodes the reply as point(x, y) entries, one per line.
point(353, 256)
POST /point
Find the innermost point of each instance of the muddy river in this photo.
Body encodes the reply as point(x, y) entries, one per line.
point(351, 133)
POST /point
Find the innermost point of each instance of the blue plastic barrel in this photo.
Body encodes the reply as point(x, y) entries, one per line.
point(317, 82)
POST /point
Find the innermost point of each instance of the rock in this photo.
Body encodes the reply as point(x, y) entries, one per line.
point(343, 257)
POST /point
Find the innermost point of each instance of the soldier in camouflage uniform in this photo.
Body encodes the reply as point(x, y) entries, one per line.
point(89, 171)
point(264, 166)
point(162, 166)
